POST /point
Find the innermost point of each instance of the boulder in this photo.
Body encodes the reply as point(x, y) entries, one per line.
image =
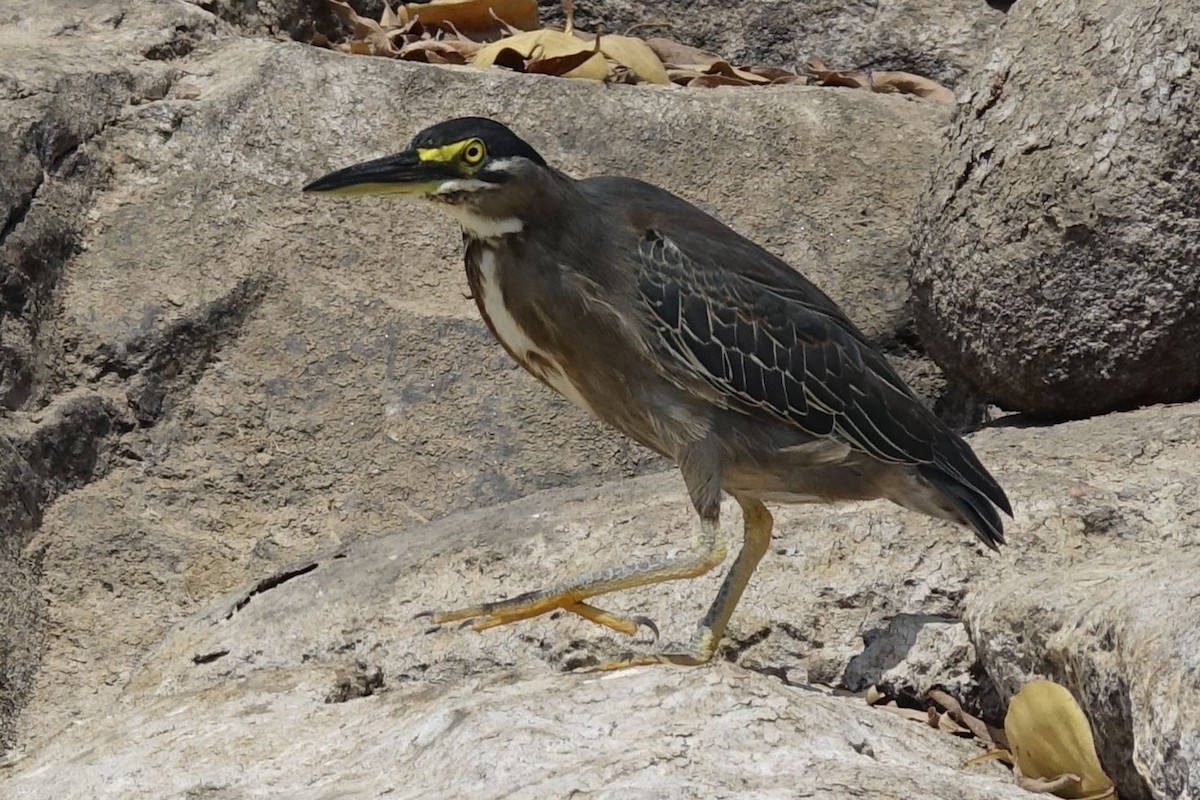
point(1057, 253)
point(330, 644)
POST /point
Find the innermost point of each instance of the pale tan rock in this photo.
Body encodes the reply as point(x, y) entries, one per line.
point(671, 733)
point(1123, 634)
point(340, 624)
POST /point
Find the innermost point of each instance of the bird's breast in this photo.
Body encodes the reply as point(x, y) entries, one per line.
point(517, 340)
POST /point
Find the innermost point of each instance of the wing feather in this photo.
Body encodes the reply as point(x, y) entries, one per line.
point(782, 348)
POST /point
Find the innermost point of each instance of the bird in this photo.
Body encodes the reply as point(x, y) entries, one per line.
point(689, 338)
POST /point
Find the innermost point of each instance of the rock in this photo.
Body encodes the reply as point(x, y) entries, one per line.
point(342, 625)
point(1055, 255)
point(913, 654)
point(282, 373)
point(1122, 634)
point(661, 733)
point(943, 41)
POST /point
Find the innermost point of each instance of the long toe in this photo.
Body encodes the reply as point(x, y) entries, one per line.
point(616, 622)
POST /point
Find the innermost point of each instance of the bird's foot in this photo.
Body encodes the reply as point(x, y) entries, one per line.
point(699, 652)
point(532, 604)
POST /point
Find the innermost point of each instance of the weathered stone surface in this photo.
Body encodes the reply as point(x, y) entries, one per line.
point(913, 654)
point(1124, 635)
point(943, 41)
point(342, 624)
point(719, 732)
point(1057, 261)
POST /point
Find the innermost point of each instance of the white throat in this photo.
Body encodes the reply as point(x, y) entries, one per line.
point(481, 227)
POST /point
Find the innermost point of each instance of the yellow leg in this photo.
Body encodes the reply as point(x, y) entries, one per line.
point(757, 527)
point(706, 553)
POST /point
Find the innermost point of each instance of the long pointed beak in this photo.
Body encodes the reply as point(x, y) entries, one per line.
point(402, 173)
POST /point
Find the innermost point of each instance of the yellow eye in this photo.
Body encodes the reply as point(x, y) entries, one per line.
point(473, 153)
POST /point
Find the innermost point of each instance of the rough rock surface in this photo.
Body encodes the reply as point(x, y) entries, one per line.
point(1091, 498)
point(262, 374)
point(1122, 633)
point(916, 653)
point(719, 732)
point(1057, 264)
point(943, 41)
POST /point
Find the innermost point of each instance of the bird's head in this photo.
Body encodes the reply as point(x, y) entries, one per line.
point(476, 168)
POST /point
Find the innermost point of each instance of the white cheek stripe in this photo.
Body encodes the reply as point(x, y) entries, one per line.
point(514, 338)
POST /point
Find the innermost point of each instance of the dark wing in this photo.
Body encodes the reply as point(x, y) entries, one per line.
point(769, 342)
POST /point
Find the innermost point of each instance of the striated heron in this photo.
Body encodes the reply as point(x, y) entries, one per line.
point(690, 339)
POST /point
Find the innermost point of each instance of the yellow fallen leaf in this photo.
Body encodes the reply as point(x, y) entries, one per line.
point(634, 54)
point(546, 44)
point(1049, 737)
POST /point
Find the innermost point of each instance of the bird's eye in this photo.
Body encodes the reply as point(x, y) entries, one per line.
point(473, 153)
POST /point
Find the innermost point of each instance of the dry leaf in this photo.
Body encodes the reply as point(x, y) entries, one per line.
point(907, 713)
point(440, 51)
point(777, 76)
point(361, 27)
point(388, 18)
point(947, 724)
point(713, 81)
point(636, 56)
point(907, 83)
point(883, 82)
point(542, 45)
point(851, 79)
point(982, 731)
point(672, 52)
point(1049, 736)
point(561, 65)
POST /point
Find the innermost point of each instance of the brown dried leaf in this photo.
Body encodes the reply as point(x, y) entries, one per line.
point(440, 51)
point(561, 65)
point(673, 53)
point(682, 76)
point(1050, 737)
point(907, 83)
point(713, 81)
point(947, 724)
point(851, 79)
point(633, 54)
point(723, 67)
point(476, 15)
point(1054, 785)
point(776, 75)
point(907, 713)
point(362, 27)
point(388, 18)
point(540, 45)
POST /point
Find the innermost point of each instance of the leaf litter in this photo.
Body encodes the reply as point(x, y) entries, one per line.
point(509, 35)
